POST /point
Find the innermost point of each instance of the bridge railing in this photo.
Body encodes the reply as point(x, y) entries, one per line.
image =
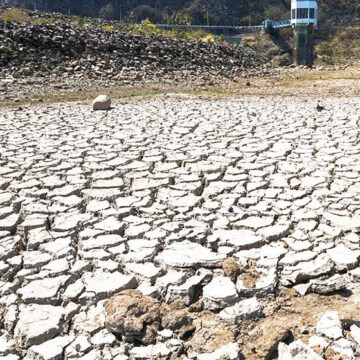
point(281, 24)
point(267, 26)
point(210, 27)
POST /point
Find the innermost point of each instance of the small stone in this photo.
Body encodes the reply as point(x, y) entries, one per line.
point(102, 102)
point(231, 268)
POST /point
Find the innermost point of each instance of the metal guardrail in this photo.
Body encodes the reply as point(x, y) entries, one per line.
point(210, 27)
point(266, 27)
point(281, 24)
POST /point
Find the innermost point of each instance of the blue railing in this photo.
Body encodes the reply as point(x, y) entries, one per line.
point(281, 24)
point(267, 26)
point(210, 27)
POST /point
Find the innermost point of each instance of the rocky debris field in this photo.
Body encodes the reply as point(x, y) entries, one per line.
point(70, 56)
point(181, 228)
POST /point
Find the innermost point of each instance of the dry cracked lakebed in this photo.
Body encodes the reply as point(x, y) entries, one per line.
point(181, 228)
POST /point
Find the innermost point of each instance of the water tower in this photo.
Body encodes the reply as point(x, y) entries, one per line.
point(304, 15)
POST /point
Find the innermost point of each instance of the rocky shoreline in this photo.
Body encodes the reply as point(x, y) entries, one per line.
point(60, 55)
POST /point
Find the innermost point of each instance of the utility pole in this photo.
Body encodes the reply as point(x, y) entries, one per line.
point(68, 2)
point(120, 13)
point(34, 5)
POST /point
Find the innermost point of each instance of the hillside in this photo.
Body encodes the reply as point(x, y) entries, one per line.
point(197, 11)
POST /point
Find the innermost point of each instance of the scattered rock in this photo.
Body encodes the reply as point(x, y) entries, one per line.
point(243, 310)
point(231, 268)
point(37, 324)
point(297, 351)
point(219, 293)
point(133, 316)
point(329, 325)
point(102, 102)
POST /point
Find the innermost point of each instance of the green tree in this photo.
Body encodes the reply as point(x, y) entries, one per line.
point(275, 13)
point(107, 12)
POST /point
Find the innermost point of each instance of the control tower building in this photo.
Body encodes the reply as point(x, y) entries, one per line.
point(304, 20)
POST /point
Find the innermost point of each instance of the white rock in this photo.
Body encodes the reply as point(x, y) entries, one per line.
point(239, 239)
point(329, 325)
point(355, 333)
point(80, 345)
point(7, 346)
point(146, 271)
point(102, 102)
point(343, 347)
point(297, 351)
point(105, 284)
point(187, 254)
point(51, 349)
point(102, 338)
point(230, 352)
point(343, 257)
point(316, 341)
point(334, 283)
point(187, 291)
point(37, 324)
point(149, 352)
point(42, 291)
point(219, 293)
point(243, 310)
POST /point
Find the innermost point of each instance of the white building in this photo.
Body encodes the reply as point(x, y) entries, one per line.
point(304, 12)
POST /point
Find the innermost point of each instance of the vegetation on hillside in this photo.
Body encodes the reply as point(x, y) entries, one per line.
point(192, 11)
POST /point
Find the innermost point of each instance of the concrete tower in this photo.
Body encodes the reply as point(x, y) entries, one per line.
point(304, 19)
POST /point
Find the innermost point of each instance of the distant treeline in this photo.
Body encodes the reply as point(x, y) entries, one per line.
point(191, 11)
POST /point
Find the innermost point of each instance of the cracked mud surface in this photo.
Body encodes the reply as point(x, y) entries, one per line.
point(154, 195)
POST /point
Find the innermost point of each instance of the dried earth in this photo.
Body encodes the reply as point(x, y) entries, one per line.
point(181, 227)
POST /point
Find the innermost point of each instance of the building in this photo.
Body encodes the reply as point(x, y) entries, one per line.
point(304, 12)
point(304, 19)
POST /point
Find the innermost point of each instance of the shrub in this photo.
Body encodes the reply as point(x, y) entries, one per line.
point(146, 28)
point(108, 28)
point(16, 15)
point(208, 38)
point(79, 21)
point(44, 20)
point(326, 48)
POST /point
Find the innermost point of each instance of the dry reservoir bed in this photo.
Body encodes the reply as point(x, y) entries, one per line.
point(239, 213)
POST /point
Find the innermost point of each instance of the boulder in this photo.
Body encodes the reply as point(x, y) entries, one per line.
point(102, 102)
point(133, 316)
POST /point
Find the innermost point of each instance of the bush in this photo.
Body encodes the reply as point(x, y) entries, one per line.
point(107, 28)
point(16, 15)
point(146, 28)
point(208, 38)
point(107, 12)
point(326, 48)
point(44, 20)
point(79, 21)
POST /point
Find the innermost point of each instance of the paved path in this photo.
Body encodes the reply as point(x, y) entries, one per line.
point(155, 194)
